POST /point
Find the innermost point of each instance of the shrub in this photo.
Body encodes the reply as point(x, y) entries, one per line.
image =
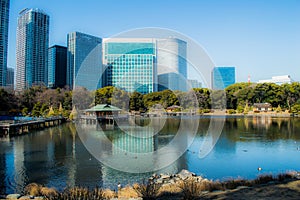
point(231, 111)
point(147, 191)
point(190, 189)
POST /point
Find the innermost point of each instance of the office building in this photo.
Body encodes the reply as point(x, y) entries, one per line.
point(278, 80)
point(194, 84)
point(131, 63)
point(32, 48)
point(10, 78)
point(222, 77)
point(84, 61)
point(4, 18)
point(171, 64)
point(57, 66)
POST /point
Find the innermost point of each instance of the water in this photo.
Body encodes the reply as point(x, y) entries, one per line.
point(56, 157)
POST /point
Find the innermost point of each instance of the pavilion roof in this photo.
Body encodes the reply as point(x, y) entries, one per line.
point(103, 108)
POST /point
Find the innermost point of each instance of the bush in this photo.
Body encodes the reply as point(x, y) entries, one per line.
point(147, 191)
point(231, 111)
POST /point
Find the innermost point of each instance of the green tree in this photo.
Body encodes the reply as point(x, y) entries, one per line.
point(203, 97)
point(136, 102)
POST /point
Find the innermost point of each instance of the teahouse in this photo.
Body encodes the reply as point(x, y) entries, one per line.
point(262, 107)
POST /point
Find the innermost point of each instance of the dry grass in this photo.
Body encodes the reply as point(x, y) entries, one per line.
point(48, 192)
point(33, 189)
point(147, 191)
point(127, 192)
point(190, 188)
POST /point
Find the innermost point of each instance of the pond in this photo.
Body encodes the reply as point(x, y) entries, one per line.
point(58, 157)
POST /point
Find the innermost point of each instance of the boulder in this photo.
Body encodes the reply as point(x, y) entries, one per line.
point(13, 196)
point(184, 174)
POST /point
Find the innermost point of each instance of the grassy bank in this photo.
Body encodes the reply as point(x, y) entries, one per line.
point(192, 187)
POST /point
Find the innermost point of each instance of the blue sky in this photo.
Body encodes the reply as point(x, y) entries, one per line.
point(259, 38)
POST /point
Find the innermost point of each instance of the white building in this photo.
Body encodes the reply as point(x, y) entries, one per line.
point(278, 80)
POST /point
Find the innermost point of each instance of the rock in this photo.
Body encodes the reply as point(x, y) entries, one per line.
point(165, 176)
point(13, 196)
point(199, 179)
point(184, 174)
point(26, 197)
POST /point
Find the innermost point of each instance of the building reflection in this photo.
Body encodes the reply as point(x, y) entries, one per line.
point(134, 142)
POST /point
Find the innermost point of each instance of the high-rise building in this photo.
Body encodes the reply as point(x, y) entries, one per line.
point(84, 61)
point(57, 66)
point(194, 83)
point(171, 64)
point(32, 48)
point(131, 63)
point(4, 18)
point(10, 78)
point(222, 77)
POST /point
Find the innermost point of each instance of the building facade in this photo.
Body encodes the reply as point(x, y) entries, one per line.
point(278, 80)
point(4, 19)
point(84, 61)
point(131, 64)
point(171, 64)
point(10, 78)
point(57, 66)
point(222, 77)
point(194, 84)
point(32, 48)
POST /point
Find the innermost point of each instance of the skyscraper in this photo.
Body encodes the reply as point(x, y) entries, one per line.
point(10, 78)
point(222, 77)
point(131, 63)
point(4, 17)
point(171, 64)
point(57, 66)
point(32, 48)
point(84, 61)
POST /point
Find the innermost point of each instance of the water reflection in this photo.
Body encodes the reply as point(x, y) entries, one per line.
point(57, 157)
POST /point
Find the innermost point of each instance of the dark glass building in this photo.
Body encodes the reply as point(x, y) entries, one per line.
point(84, 61)
point(10, 78)
point(4, 17)
point(222, 77)
point(57, 66)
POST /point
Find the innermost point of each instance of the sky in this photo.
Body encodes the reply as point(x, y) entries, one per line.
point(260, 38)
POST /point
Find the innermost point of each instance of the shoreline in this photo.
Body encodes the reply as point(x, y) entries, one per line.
point(183, 185)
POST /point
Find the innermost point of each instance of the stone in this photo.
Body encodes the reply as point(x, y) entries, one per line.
point(184, 174)
point(13, 196)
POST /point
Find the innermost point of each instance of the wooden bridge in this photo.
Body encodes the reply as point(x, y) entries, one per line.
point(21, 127)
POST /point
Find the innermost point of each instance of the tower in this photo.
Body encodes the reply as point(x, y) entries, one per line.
point(32, 48)
point(84, 61)
point(4, 17)
point(57, 66)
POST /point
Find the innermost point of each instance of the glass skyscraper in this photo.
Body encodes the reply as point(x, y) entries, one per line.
point(32, 48)
point(131, 64)
point(222, 77)
point(171, 64)
point(57, 66)
point(10, 78)
point(4, 18)
point(84, 61)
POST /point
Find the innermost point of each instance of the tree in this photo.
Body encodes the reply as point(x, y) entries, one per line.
point(136, 102)
point(103, 95)
point(82, 98)
point(203, 97)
